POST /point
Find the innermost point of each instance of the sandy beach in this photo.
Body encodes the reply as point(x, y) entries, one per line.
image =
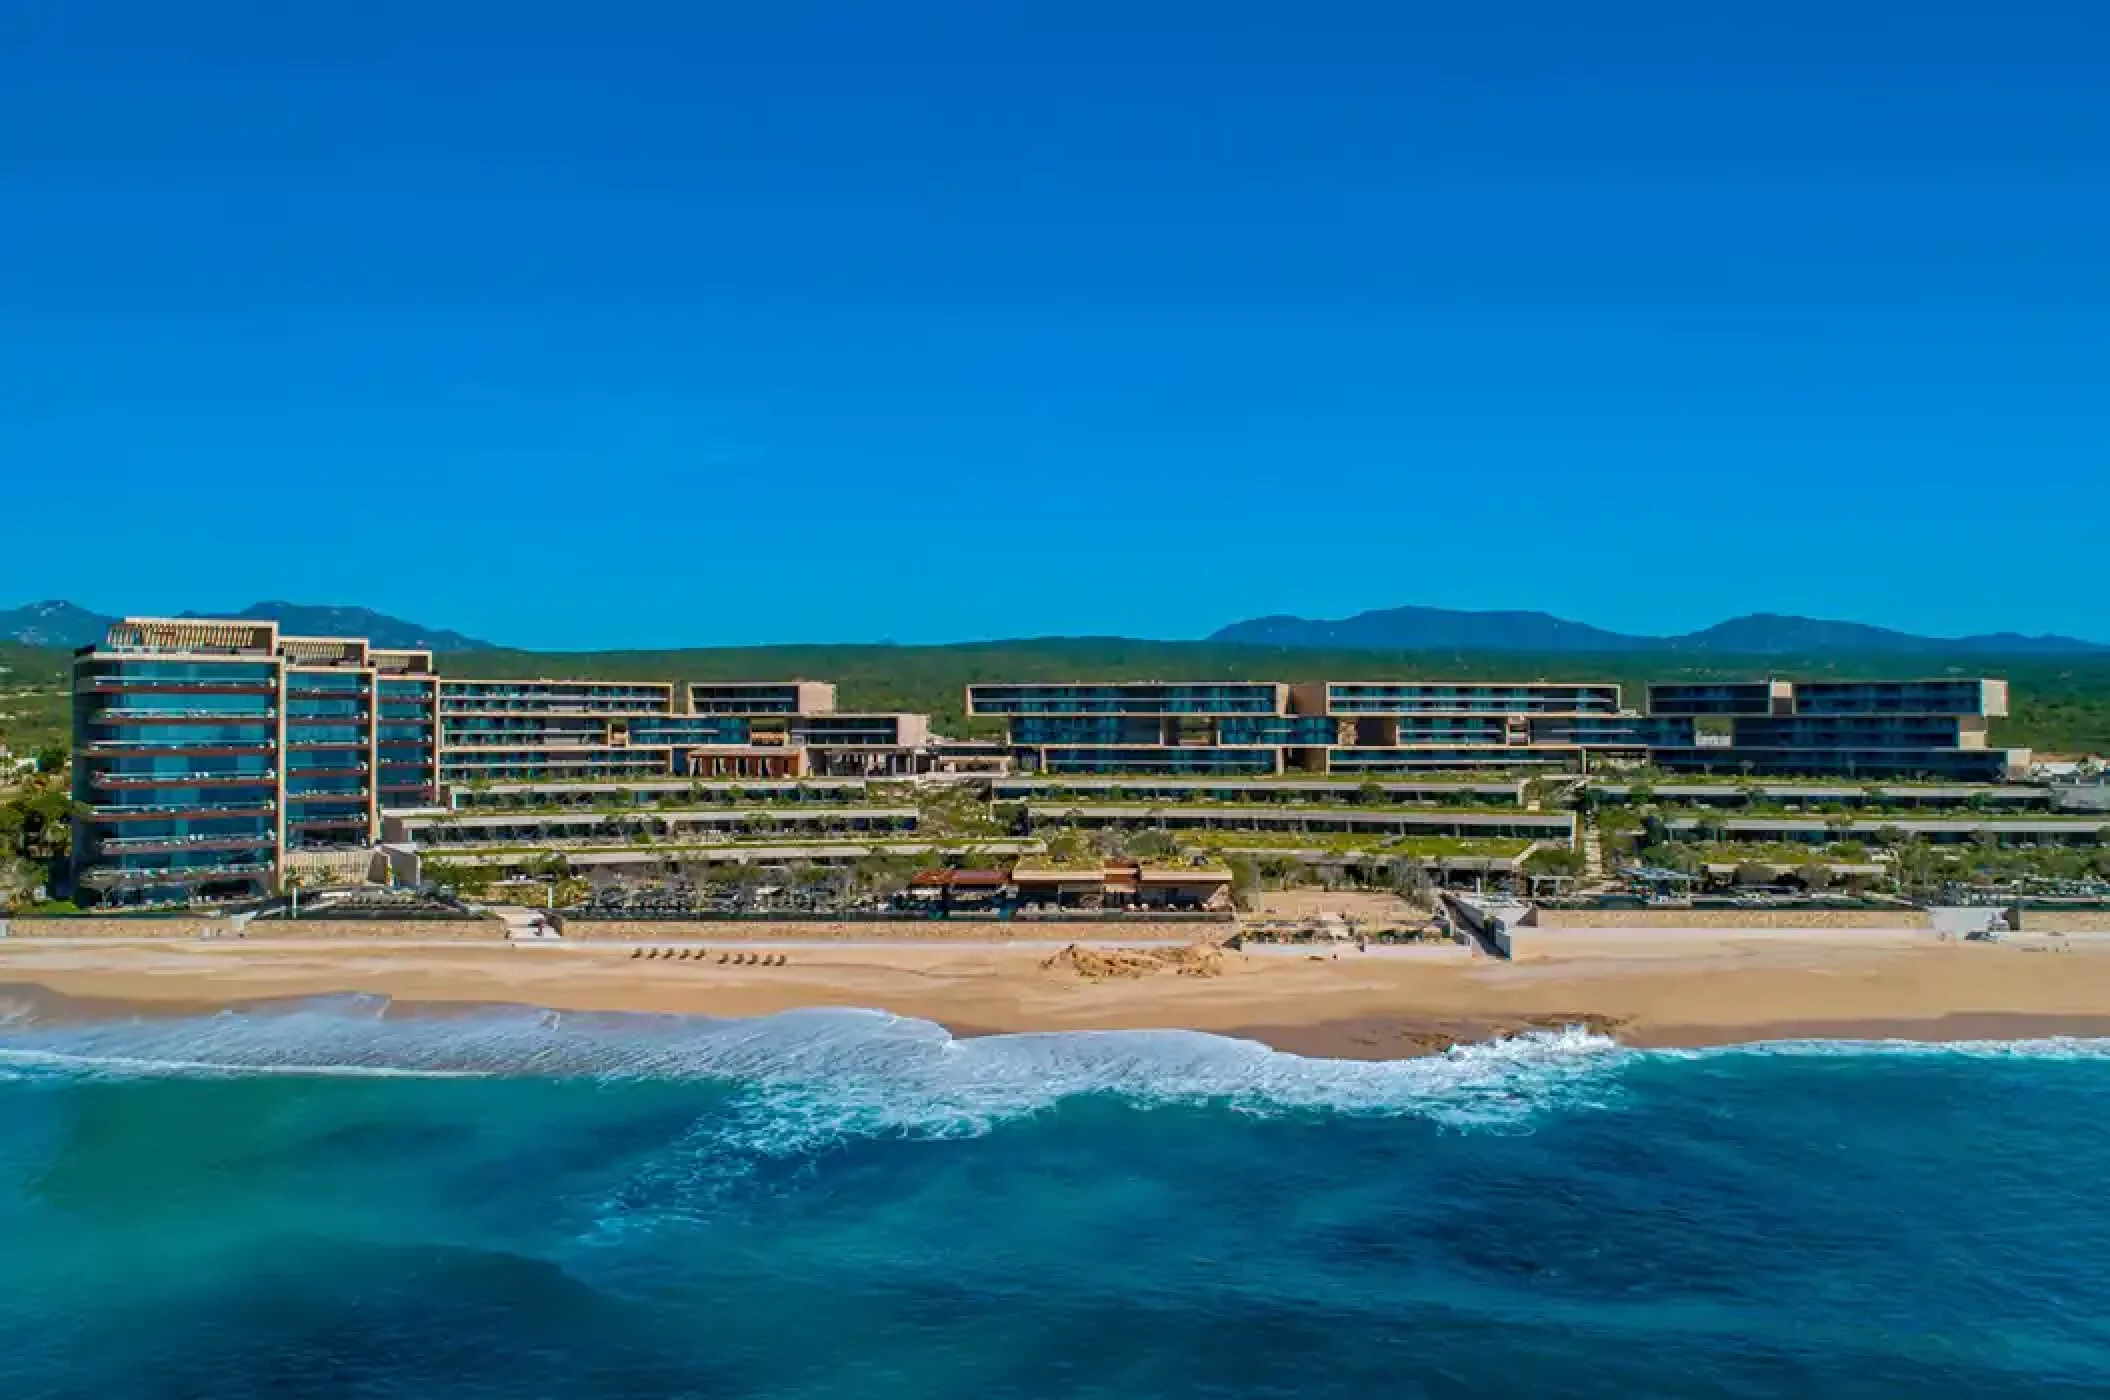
point(1662, 988)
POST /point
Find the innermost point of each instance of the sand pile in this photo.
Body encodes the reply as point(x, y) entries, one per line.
point(1099, 964)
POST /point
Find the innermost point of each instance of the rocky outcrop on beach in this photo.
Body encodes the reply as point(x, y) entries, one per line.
point(1100, 964)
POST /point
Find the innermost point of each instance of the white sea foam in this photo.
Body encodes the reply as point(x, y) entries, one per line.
point(810, 1076)
point(816, 1073)
point(2057, 1047)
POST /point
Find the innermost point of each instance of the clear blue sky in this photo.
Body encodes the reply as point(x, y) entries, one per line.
point(603, 324)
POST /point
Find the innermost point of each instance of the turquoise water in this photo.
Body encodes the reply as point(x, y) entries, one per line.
point(321, 1201)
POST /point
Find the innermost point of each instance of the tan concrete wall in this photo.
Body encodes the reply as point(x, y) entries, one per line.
point(1733, 918)
point(2066, 921)
point(931, 930)
point(469, 930)
point(91, 927)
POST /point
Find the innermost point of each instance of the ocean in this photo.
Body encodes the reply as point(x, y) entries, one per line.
point(323, 1200)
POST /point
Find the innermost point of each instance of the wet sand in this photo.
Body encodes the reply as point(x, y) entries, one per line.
point(1722, 988)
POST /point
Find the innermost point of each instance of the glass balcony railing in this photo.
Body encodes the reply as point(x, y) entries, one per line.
point(200, 842)
point(173, 875)
point(201, 779)
point(122, 747)
point(122, 811)
point(175, 714)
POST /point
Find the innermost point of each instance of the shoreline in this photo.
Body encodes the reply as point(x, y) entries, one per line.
point(1722, 989)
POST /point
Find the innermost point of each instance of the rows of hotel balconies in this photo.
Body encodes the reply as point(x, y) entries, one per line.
point(336, 729)
point(1933, 729)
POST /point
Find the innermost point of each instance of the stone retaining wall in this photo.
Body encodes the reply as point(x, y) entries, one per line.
point(1733, 918)
point(467, 930)
point(2066, 921)
point(90, 927)
point(925, 930)
point(187, 927)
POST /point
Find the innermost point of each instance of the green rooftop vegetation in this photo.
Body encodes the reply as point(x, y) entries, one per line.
point(1914, 866)
point(1046, 808)
point(1342, 844)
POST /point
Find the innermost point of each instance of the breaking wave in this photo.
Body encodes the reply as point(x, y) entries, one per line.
point(842, 1070)
point(813, 1074)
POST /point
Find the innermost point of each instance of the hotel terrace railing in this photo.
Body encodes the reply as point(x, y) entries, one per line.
point(129, 811)
point(106, 684)
point(555, 705)
point(149, 716)
point(267, 778)
point(132, 748)
point(172, 875)
point(199, 842)
point(1135, 708)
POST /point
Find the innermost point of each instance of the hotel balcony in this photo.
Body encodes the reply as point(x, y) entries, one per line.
point(162, 811)
point(139, 748)
point(185, 716)
point(268, 778)
point(111, 685)
point(109, 877)
point(148, 845)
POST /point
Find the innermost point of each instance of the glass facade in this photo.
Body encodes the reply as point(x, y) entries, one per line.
point(1912, 731)
point(1871, 729)
point(1372, 761)
point(1615, 731)
point(176, 778)
point(851, 731)
point(1227, 698)
point(1712, 698)
point(1293, 731)
point(691, 729)
point(406, 741)
point(547, 697)
point(1942, 697)
point(1424, 697)
point(729, 698)
point(1203, 761)
point(1087, 729)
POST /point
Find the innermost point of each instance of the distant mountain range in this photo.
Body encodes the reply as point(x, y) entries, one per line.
point(1760, 634)
point(61, 624)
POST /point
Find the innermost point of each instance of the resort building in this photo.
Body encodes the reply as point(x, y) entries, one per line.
point(1354, 729)
point(1935, 729)
point(223, 759)
point(179, 734)
point(1914, 729)
point(210, 755)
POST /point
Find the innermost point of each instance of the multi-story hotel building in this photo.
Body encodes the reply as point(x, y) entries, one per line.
point(1347, 728)
point(205, 751)
point(1871, 729)
point(1855, 729)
